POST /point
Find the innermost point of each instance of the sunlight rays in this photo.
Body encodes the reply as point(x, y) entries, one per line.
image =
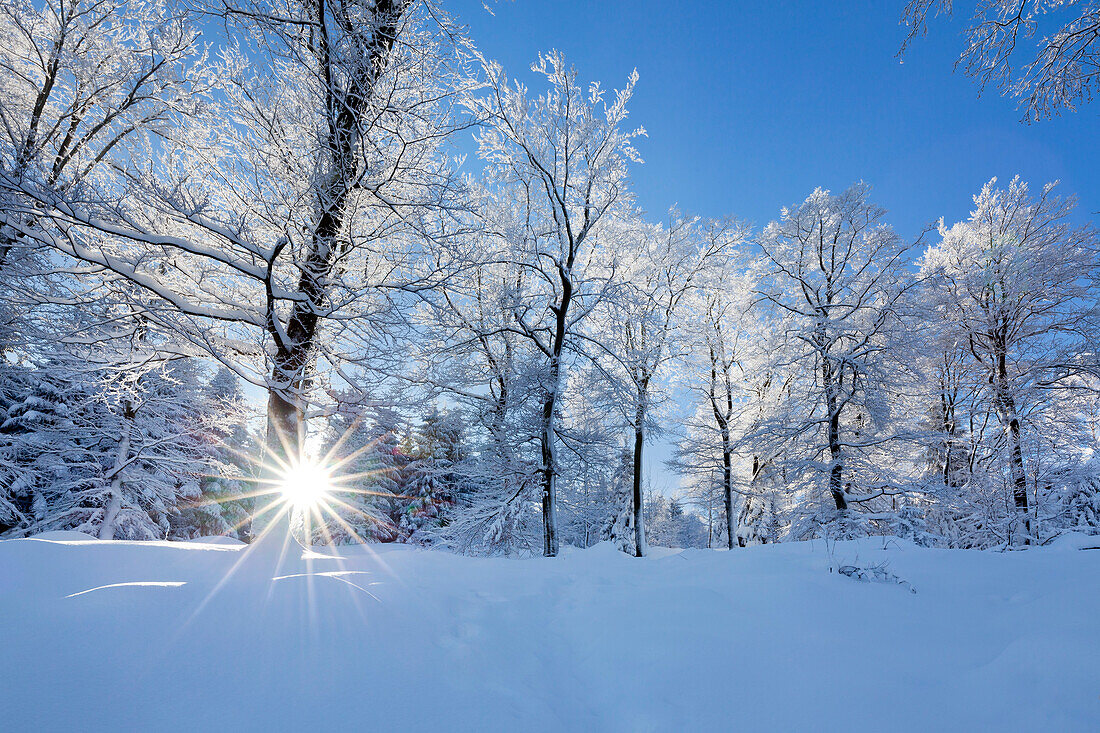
point(296, 500)
point(312, 492)
point(306, 484)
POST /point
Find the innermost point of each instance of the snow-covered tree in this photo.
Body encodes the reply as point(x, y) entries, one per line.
point(225, 504)
point(44, 454)
point(619, 523)
point(1084, 504)
point(303, 185)
point(726, 339)
point(115, 450)
point(831, 277)
point(563, 157)
point(1014, 287)
point(366, 452)
point(468, 354)
point(1060, 69)
point(432, 478)
point(82, 81)
point(642, 329)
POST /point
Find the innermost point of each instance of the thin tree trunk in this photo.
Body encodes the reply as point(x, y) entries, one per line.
point(727, 488)
point(836, 473)
point(640, 547)
point(549, 446)
point(722, 419)
point(710, 514)
point(114, 506)
point(549, 478)
point(836, 457)
point(1010, 420)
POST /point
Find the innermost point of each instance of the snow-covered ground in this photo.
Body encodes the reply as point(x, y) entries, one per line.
point(204, 636)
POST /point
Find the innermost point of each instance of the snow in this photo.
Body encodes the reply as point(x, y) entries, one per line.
point(107, 635)
point(64, 535)
point(216, 540)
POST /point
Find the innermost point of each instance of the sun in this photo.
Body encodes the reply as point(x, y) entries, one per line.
point(306, 484)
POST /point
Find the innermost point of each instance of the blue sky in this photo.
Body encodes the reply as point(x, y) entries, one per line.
point(750, 105)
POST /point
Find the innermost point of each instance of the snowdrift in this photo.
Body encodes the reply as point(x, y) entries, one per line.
point(210, 636)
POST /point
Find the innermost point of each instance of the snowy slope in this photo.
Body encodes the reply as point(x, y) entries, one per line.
point(203, 636)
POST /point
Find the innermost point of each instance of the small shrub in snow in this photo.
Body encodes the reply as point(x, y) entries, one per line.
point(874, 574)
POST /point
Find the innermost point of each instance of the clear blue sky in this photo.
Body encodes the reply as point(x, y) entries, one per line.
point(749, 105)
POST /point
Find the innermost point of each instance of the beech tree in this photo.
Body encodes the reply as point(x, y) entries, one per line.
point(736, 387)
point(563, 155)
point(1016, 286)
point(1059, 70)
point(722, 327)
point(642, 327)
point(301, 192)
point(833, 275)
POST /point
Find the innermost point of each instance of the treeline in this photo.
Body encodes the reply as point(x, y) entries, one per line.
point(193, 198)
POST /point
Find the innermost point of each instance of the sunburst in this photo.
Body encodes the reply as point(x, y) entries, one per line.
point(306, 485)
point(305, 493)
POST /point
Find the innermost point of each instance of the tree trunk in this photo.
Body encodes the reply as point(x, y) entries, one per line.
point(114, 506)
point(710, 513)
point(640, 547)
point(722, 420)
point(285, 428)
point(1010, 420)
point(727, 488)
point(6, 244)
point(549, 477)
point(756, 469)
point(548, 437)
point(282, 445)
point(295, 351)
point(836, 458)
point(110, 516)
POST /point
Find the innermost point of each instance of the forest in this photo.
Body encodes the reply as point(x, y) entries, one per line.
point(247, 240)
point(513, 365)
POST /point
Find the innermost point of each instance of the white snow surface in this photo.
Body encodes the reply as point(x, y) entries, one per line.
point(109, 635)
point(215, 540)
point(65, 535)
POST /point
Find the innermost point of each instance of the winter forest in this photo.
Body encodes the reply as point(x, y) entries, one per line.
point(242, 240)
point(325, 271)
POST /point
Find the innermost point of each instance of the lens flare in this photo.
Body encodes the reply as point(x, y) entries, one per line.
point(306, 485)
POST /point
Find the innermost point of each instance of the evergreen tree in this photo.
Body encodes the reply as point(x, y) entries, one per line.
point(49, 463)
point(756, 522)
point(111, 449)
point(229, 459)
point(388, 460)
point(368, 461)
point(159, 462)
point(1084, 501)
point(619, 528)
point(432, 480)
